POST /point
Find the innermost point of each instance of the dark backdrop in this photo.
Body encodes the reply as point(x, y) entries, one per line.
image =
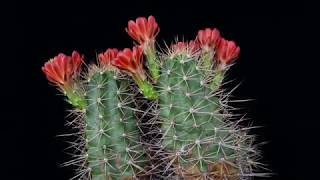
point(271, 54)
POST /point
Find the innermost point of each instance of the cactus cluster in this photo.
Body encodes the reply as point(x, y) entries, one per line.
point(164, 118)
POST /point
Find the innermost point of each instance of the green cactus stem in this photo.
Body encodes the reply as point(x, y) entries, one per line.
point(113, 148)
point(194, 132)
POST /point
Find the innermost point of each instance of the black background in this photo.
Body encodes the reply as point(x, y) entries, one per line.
point(269, 67)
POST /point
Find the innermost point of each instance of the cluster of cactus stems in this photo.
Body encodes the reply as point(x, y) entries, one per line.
point(148, 114)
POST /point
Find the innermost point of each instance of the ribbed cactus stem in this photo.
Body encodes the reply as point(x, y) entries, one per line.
point(193, 128)
point(113, 150)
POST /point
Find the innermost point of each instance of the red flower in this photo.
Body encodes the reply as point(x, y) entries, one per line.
point(193, 45)
point(107, 57)
point(143, 30)
point(130, 61)
point(227, 51)
point(179, 46)
point(190, 46)
point(208, 38)
point(62, 68)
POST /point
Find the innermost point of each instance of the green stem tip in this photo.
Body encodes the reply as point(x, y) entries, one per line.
point(146, 88)
point(153, 63)
point(217, 80)
point(75, 98)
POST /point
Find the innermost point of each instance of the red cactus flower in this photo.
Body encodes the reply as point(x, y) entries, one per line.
point(143, 30)
point(208, 38)
point(179, 46)
point(227, 51)
point(191, 46)
point(62, 68)
point(107, 57)
point(130, 61)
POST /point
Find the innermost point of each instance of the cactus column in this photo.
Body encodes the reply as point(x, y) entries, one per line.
point(113, 147)
point(194, 132)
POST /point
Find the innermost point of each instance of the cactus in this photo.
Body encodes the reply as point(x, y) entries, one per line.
point(109, 132)
point(199, 141)
point(165, 118)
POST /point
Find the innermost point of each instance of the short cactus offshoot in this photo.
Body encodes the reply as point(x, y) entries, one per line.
point(143, 114)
